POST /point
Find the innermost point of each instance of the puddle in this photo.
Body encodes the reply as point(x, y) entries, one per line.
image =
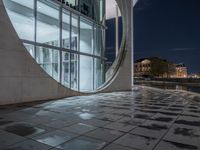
point(4, 122)
point(82, 144)
point(23, 129)
point(195, 111)
point(168, 113)
point(152, 107)
point(143, 116)
point(179, 106)
point(125, 105)
point(165, 119)
point(185, 132)
point(193, 107)
point(174, 109)
point(154, 127)
point(161, 104)
point(86, 116)
point(183, 146)
point(191, 123)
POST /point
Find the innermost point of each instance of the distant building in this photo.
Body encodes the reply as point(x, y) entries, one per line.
point(181, 71)
point(143, 67)
point(194, 75)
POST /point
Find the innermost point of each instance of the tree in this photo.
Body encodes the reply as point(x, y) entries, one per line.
point(171, 70)
point(159, 67)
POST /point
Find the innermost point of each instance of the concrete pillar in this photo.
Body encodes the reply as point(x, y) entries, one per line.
point(121, 72)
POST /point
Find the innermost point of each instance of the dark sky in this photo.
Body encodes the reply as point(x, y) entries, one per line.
point(169, 29)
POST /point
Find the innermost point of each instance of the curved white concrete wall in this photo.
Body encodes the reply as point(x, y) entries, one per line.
point(21, 78)
point(121, 80)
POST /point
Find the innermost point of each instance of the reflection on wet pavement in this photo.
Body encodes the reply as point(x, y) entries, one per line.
point(145, 119)
point(23, 129)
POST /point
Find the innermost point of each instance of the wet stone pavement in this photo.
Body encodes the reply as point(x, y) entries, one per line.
point(145, 119)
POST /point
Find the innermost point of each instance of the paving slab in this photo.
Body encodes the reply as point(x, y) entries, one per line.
point(145, 119)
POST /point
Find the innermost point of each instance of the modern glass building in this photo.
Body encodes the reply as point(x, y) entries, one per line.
point(65, 37)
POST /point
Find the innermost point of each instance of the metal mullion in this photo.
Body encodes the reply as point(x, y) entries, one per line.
point(79, 5)
point(63, 49)
point(70, 40)
point(79, 13)
point(93, 48)
point(93, 42)
point(93, 73)
point(61, 45)
point(79, 53)
point(35, 25)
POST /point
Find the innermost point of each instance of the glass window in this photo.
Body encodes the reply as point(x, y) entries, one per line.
point(74, 71)
point(78, 34)
point(86, 73)
point(66, 29)
point(72, 2)
point(48, 59)
point(86, 7)
point(74, 34)
point(23, 23)
point(97, 41)
point(48, 29)
point(56, 65)
point(96, 9)
point(102, 10)
point(30, 49)
point(86, 36)
point(98, 73)
point(66, 69)
point(44, 59)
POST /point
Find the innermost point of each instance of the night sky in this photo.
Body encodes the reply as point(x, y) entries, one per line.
point(169, 29)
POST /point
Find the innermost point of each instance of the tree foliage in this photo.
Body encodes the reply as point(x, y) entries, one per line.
point(159, 67)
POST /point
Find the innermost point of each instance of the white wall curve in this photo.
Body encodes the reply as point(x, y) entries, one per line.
point(23, 80)
point(121, 72)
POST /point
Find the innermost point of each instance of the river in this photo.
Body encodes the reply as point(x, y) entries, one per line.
point(195, 89)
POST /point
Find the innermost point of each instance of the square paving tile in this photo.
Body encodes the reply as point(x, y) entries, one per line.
point(142, 115)
point(5, 122)
point(187, 120)
point(79, 128)
point(59, 124)
point(175, 146)
point(151, 129)
point(164, 118)
point(96, 122)
point(2, 132)
point(54, 138)
point(8, 139)
point(184, 134)
point(28, 145)
point(138, 142)
point(113, 121)
point(120, 126)
point(117, 147)
point(109, 117)
point(82, 143)
point(23, 129)
point(131, 121)
point(105, 134)
point(17, 116)
point(41, 119)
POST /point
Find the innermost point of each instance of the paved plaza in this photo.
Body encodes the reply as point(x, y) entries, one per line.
point(145, 119)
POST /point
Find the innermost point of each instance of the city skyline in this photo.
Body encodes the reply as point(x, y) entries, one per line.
point(167, 29)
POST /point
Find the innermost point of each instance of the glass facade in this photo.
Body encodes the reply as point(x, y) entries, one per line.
point(86, 36)
point(67, 45)
point(94, 9)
